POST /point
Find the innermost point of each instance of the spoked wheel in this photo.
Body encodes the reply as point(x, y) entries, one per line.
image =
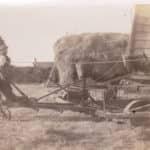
point(138, 106)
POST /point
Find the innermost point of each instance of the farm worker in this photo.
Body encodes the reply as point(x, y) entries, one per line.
point(6, 90)
point(5, 86)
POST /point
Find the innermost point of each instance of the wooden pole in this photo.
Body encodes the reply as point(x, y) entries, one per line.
point(84, 88)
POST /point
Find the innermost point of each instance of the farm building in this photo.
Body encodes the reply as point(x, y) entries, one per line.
point(42, 64)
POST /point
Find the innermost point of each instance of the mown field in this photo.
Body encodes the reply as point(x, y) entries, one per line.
point(50, 130)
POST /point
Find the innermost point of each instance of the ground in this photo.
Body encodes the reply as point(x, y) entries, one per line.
point(47, 129)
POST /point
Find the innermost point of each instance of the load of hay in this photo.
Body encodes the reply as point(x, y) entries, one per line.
point(83, 48)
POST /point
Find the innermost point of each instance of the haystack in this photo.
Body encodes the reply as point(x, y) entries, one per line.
point(72, 50)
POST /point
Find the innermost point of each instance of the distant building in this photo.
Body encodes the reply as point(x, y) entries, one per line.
point(42, 64)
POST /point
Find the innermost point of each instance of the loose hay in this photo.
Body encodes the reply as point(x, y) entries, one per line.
point(87, 47)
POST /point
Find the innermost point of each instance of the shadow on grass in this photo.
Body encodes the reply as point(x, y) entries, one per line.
point(66, 135)
point(69, 118)
point(58, 118)
point(57, 138)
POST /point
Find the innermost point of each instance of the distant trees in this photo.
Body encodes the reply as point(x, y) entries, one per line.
point(29, 74)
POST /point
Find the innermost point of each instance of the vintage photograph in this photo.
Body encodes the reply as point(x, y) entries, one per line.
point(74, 75)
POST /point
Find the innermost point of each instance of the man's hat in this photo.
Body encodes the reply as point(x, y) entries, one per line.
point(3, 46)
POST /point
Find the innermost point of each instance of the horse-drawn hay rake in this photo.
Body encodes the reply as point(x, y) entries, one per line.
point(79, 99)
point(107, 104)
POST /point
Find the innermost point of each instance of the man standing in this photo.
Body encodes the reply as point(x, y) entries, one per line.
point(5, 86)
point(6, 90)
point(6, 94)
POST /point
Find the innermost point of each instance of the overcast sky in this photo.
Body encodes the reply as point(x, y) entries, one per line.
point(30, 29)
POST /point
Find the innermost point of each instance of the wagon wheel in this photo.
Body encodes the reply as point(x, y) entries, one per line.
point(138, 106)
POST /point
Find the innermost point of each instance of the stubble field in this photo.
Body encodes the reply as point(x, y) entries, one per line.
point(50, 130)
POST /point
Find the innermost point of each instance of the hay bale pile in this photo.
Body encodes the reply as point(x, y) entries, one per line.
point(88, 47)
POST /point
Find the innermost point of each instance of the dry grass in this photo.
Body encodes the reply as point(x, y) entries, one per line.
point(48, 130)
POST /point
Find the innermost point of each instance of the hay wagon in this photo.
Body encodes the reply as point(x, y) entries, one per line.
point(82, 96)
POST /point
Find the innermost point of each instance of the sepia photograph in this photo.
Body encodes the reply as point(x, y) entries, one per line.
point(74, 75)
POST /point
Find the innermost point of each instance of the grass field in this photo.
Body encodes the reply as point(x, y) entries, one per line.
point(50, 130)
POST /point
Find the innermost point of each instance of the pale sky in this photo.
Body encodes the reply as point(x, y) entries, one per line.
point(30, 29)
